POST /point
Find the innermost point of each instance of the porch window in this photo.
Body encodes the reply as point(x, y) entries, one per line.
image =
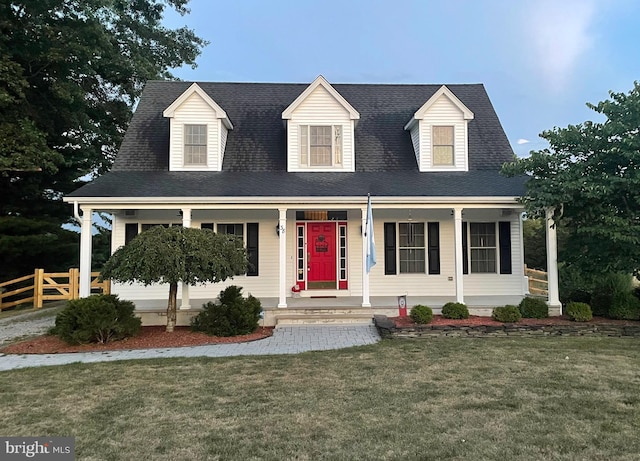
point(251, 241)
point(320, 145)
point(195, 145)
point(482, 246)
point(443, 146)
point(412, 249)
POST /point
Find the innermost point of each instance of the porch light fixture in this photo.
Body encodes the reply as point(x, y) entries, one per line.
point(279, 229)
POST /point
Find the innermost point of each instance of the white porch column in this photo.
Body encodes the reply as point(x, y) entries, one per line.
point(186, 222)
point(366, 302)
point(282, 231)
point(85, 252)
point(552, 263)
point(457, 216)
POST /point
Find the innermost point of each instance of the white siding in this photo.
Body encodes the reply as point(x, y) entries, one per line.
point(197, 112)
point(443, 112)
point(320, 108)
point(223, 141)
point(415, 139)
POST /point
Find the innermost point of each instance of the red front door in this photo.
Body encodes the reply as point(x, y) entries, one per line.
point(321, 255)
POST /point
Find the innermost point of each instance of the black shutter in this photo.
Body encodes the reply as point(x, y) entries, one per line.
point(130, 231)
point(389, 248)
point(465, 255)
point(433, 229)
point(252, 248)
point(504, 228)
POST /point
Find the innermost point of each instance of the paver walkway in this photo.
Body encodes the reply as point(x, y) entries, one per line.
point(285, 340)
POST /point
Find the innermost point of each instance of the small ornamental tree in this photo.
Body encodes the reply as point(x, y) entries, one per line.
point(177, 254)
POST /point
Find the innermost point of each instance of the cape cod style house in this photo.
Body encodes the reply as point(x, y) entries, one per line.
point(289, 167)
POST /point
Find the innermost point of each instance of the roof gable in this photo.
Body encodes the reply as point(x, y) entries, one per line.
point(442, 91)
point(320, 81)
point(195, 89)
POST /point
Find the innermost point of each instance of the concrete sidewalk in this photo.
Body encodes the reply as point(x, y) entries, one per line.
point(285, 340)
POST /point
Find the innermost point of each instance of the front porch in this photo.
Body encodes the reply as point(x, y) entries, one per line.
point(329, 310)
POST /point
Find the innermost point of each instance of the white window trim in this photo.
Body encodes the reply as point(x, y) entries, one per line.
point(186, 164)
point(337, 150)
point(451, 165)
point(399, 248)
point(496, 248)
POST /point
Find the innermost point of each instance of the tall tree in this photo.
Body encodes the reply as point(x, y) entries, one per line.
point(70, 73)
point(177, 254)
point(590, 177)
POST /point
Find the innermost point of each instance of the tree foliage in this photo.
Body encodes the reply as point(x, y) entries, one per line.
point(590, 177)
point(177, 254)
point(70, 74)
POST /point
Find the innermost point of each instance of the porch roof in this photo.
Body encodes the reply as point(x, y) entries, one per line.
point(276, 184)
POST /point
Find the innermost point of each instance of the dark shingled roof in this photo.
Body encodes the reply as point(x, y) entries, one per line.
point(255, 155)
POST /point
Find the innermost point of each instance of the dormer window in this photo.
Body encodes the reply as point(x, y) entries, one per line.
point(320, 145)
point(195, 145)
point(439, 133)
point(443, 146)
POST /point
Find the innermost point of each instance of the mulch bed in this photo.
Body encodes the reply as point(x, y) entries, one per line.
point(474, 320)
point(150, 337)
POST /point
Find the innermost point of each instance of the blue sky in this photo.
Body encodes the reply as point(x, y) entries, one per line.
point(540, 60)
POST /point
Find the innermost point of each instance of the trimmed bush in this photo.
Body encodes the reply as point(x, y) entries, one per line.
point(421, 314)
point(533, 308)
point(231, 315)
point(455, 311)
point(580, 312)
point(506, 314)
point(96, 319)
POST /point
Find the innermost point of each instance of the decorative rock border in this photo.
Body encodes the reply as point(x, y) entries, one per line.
point(388, 329)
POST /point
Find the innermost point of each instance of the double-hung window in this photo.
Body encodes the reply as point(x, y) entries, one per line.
point(320, 145)
point(482, 245)
point(443, 146)
point(411, 247)
point(195, 145)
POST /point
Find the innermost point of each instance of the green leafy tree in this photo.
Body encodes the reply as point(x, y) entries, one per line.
point(177, 254)
point(70, 73)
point(590, 177)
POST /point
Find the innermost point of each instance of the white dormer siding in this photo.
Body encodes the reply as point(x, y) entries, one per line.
point(319, 121)
point(195, 108)
point(443, 113)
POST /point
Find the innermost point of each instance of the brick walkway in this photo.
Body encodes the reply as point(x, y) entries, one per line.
point(285, 340)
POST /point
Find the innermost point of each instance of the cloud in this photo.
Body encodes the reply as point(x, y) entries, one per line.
point(522, 141)
point(560, 36)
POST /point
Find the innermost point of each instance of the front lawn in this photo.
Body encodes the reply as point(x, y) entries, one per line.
point(442, 398)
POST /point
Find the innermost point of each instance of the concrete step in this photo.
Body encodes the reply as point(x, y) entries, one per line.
point(324, 316)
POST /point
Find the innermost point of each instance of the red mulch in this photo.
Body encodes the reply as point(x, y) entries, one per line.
point(474, 320)
point(150, 337)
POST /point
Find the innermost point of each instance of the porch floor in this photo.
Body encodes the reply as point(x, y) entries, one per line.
point(377, 302)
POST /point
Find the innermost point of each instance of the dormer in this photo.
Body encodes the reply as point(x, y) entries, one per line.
point(439, 133)
point(320, 130)
point(198, 132)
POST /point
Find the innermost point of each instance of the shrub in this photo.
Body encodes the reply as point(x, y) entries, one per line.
point(533, 308)
point(506, 314)
point(625, 306)
point(96, 319)
point(613, 297)
point(580, 312)
point(455, 311)
point(232, 315)
point(421, 314)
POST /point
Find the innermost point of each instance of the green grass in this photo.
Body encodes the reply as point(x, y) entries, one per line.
point(442, 398)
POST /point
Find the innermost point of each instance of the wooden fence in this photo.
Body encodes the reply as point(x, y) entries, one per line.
point(538, 281)
point(42, 286)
